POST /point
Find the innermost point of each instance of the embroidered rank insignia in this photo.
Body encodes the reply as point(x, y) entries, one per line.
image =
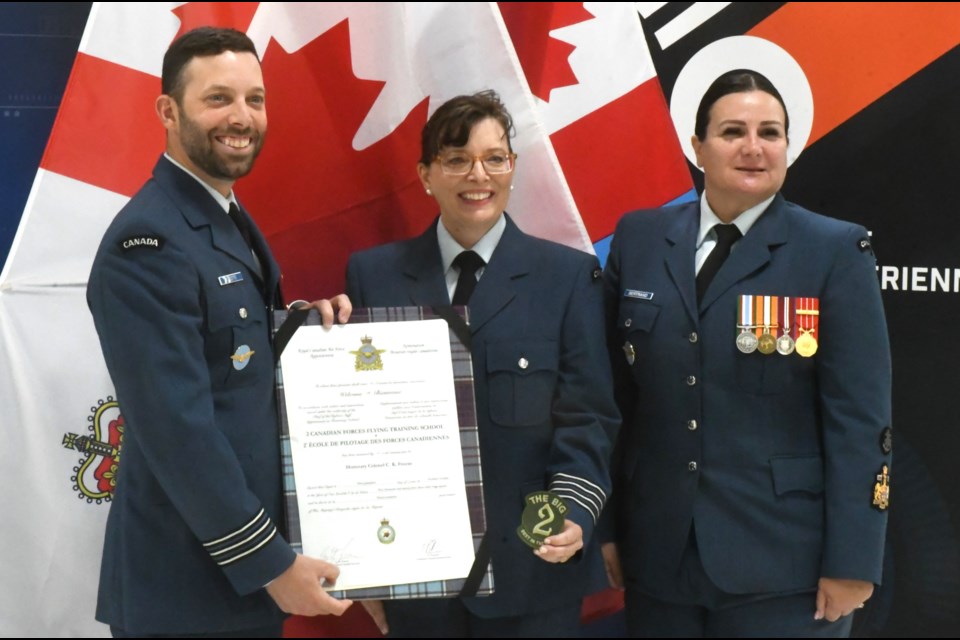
point(241, 357)
point(638, 295)
point(886, 441)
point(881, 490)
point(542, 517)
point(147, 242)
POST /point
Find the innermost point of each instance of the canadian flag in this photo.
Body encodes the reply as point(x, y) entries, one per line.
point(349, 87)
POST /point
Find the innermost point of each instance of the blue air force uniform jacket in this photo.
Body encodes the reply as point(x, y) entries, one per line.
point(542, 380)
point(772, 458)
point(192, 533)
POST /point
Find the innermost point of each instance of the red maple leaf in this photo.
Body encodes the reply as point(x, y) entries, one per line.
point(544, 59)
point(235, 15)
point(314, 196)
point(106, 133)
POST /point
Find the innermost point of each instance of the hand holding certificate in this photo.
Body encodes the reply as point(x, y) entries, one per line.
point(375, 440)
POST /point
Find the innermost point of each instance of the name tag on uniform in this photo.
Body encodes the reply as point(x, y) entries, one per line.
point(230, 278)
point(638, 295)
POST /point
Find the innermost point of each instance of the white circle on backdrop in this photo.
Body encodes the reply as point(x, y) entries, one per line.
point(743, 52)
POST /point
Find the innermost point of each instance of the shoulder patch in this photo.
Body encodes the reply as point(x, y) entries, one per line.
point(864, 245)
point(136, 242)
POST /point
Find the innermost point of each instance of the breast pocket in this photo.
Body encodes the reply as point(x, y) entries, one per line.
point(797, 474)
point(521, 377)
point(771, 374)
point(237, 345)
point(636, 322)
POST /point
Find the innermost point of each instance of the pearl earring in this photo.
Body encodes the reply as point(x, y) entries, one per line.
point(511, 187)
point(429, 193)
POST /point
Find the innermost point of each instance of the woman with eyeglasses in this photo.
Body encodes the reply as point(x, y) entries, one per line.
point(543, 387)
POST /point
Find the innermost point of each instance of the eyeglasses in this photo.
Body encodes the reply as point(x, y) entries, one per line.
point(460, 164)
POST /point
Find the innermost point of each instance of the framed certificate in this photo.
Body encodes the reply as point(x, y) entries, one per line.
point(381, 456)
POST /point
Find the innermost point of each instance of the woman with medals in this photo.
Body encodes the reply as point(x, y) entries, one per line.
point(755, 393)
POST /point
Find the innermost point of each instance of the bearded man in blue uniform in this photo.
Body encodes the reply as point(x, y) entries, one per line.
point(181, 291)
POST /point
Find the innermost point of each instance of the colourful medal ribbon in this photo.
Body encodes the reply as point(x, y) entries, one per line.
point(767, 344)
point(757, 314)
point(746, 340)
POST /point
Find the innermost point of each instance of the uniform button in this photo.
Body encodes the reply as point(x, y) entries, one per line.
point(691, 466)
point(627, 322)
point(523, 363)
point(693, 337)
point(691, 380)
point(692, 425)
point(243, 312)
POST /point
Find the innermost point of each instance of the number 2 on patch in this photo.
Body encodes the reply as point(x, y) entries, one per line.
point(547, 516)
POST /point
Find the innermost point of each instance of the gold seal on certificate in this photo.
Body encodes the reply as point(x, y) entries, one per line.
point(542, 517)
point(368, 356)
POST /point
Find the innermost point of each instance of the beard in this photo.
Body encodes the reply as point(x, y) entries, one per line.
point(201, 148)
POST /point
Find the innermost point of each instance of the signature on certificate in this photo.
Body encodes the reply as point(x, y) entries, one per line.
point(340, 555)
point(433, 549)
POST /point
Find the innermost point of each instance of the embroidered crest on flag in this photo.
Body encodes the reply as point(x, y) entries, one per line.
point(95, 475)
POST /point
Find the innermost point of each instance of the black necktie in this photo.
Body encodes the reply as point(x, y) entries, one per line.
point(727, 234)
point(243, 226)
point(468, 262)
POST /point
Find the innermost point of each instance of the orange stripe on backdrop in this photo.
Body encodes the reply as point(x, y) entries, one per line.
point(854, 53)
point(106, 133)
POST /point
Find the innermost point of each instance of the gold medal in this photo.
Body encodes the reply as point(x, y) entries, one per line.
point(807, 321)
point(766, 344)
point(806, 345)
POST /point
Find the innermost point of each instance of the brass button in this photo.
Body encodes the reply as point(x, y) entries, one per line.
point(691, 466)
point(692, 425)
point(693, 337)
point(523, 363)
point(691, 380)
point(243, 312)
